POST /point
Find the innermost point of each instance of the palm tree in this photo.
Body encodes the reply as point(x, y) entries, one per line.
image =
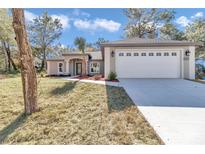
point(80, 42)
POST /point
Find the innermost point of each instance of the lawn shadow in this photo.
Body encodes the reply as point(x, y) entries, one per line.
point(68, 86)
point(4, 133)
point(117, 99)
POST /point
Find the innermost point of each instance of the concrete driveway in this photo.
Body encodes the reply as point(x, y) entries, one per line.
point(174, 107)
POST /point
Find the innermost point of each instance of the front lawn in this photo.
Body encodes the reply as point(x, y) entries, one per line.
point(72, 113)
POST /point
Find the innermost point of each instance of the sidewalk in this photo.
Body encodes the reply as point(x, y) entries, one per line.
point(108, 83)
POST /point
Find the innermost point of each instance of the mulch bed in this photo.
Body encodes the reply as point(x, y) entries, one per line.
point(95, 78)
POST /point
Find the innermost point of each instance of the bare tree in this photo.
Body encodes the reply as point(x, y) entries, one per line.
point(28, 72)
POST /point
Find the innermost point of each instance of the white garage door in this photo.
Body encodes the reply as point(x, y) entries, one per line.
point(148, 64)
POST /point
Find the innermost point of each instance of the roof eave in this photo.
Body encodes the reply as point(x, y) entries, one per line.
point(55, 60)
point(149, 44)
point(73, 54)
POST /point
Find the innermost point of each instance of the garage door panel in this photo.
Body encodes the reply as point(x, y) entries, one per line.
point(148, 66)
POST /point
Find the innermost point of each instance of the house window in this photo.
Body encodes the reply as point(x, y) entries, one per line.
point(158, 54)
point(60, 67)
point(94, 67)
point(143, 54)
point(128, 54)
point(136, 54)
point(174, 54)
point(151, 54)
point(166, 54)
point(121, 54)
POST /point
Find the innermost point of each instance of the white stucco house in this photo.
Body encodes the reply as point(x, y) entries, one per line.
point(131, 58)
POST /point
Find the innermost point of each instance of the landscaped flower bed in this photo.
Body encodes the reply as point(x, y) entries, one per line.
point(95, 78)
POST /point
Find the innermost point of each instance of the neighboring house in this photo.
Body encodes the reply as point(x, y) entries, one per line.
point(131, 58)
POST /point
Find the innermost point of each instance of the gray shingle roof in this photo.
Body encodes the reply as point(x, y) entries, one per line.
point(96, 55)
point(149, 42)
point(54, 59)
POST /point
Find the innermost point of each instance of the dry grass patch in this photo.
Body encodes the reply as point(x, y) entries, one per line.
point(72, 113)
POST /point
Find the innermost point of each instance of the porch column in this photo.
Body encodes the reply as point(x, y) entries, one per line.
point(84, 66)
point(192, 62)
point(67, 66)
point(182, 64)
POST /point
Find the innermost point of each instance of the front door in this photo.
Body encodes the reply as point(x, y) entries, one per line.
point(78, 68)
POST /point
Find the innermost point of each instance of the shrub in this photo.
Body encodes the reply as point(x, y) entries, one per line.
point(112, 76)
point(42, 74)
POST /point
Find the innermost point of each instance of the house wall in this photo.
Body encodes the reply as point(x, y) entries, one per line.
point(187, 66)
point(107, 61)
point(101, 66)
point(52, 67)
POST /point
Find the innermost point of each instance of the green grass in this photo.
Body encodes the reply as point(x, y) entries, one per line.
point(72, 113)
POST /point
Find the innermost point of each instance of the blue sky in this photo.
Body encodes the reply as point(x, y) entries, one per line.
point(107, 23)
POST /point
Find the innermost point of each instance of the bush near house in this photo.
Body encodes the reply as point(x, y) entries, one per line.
point(112, 76)
point(200, 71)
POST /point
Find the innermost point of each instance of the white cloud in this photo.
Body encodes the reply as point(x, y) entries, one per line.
point(83, 24)
point(78, 12)
point(197, 15)
point(108, 25)
point(29, 16)
point(183, 21)
point(160, 25)
point(63, 19)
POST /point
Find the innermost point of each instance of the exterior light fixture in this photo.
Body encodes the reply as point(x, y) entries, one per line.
point(187, 53)
point(112, 53)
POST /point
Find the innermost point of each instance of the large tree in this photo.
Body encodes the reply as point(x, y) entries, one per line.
point(145, 23)
point(170, 31)
point(7, 39)
point(99, 41)
point(195, 31)
point(28, 73)
point(43, 32)
point(80, 42)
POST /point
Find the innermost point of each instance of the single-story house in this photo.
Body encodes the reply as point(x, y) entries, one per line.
point(76, 63)
point(131, 58)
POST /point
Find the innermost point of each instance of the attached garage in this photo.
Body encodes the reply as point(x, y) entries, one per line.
point(150, 58)
point(148, 64)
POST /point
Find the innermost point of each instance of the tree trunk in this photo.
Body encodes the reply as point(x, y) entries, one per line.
point(43, 60)
point(8, 56)
point(5, 55)
point(42, 64)
point(28, 72)
point(10, 60)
